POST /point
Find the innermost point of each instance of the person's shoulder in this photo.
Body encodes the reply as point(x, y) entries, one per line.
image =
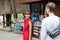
point(50, 18)
point(45, 19)
point(30, 20)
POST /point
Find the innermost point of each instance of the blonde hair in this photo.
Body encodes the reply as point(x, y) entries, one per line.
point(51, 6)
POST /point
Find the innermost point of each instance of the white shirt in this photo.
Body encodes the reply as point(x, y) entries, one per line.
point(49, 23)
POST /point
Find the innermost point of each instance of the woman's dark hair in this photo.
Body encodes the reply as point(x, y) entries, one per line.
point(27, 13)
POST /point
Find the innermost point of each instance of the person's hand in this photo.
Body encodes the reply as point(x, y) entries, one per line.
point(20, 21)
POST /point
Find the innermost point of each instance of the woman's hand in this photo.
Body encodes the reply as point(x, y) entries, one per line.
point(20, 21)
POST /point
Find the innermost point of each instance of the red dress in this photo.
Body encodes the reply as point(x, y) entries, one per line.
point(26, 29)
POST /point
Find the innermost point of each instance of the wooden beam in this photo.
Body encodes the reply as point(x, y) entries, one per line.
point(26, 1)
point(3, 20)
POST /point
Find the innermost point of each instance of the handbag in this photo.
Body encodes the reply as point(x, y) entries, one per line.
point(55, 32)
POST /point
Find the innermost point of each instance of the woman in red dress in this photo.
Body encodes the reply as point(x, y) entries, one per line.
point(27, 30)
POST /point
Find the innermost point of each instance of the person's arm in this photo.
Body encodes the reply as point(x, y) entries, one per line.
point(30, 30)
point(43, 33)
point(20, 21)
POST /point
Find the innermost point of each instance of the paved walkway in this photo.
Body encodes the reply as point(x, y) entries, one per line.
point(11, 36)
point(6, 35)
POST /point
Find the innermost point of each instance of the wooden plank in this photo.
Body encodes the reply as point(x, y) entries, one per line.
point(57, 11)
point(26, 1)
point(56, 0)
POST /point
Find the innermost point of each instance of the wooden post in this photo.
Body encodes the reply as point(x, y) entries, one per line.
point(3, 20)
point(8, 19)
point(2, 11)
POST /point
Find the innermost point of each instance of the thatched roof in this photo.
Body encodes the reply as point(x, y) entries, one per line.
point(5, 7)
point(1, 7)
point(21, 7)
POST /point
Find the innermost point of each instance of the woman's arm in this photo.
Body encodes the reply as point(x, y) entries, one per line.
point(21, 21)
point(30, 30)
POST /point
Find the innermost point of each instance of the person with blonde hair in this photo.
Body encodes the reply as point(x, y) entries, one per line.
point(49, 23)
